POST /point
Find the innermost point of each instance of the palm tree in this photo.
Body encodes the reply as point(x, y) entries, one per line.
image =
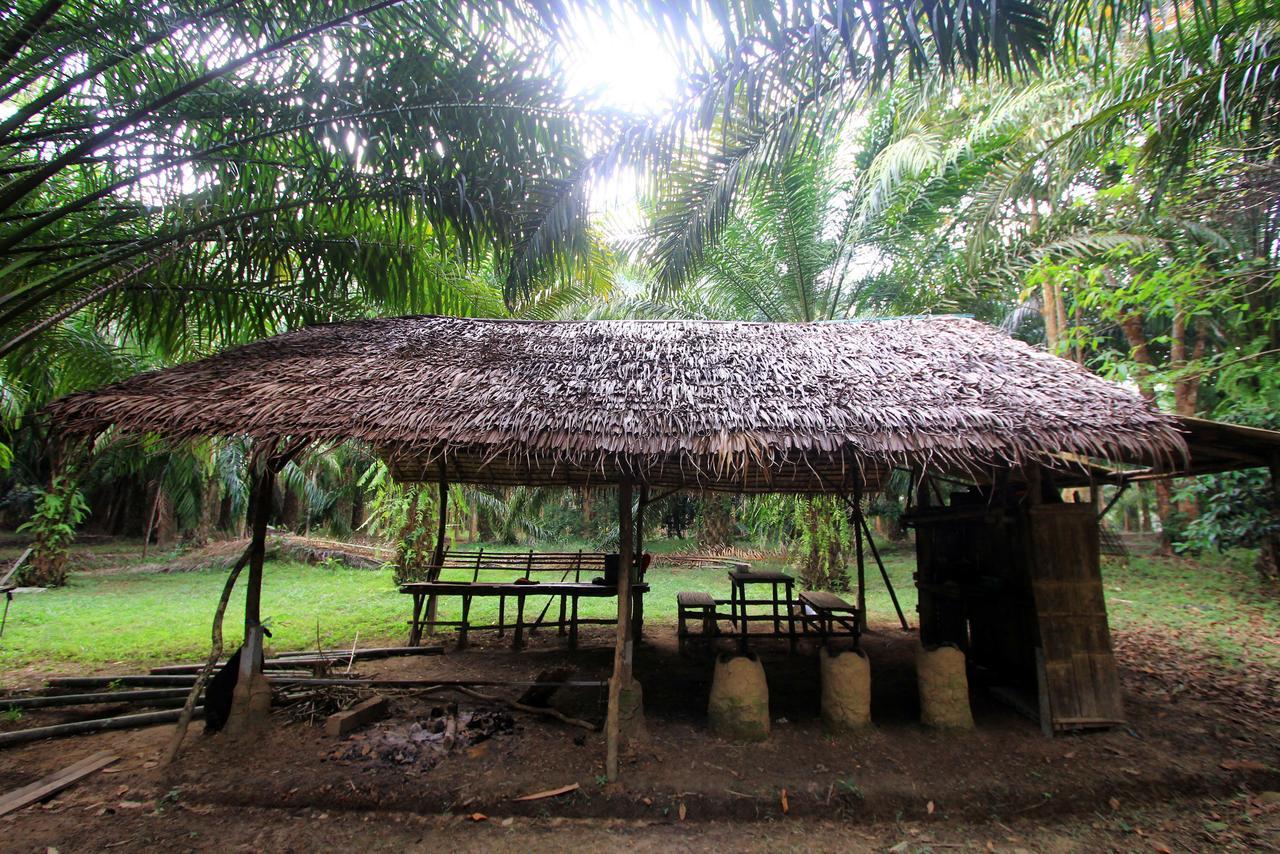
point(193, 167)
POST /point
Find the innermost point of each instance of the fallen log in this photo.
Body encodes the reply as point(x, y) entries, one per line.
point(286, 660)
point(126, 680)
point(147, 679)
point(410, 684)
point(22, 736)
point(363, 654)
point(94, 699)
point(292, 664)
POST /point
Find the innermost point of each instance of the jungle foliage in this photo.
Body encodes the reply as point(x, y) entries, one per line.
point(1099, 177)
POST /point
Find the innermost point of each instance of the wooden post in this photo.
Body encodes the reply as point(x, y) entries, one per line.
point(1268, 565)
point(640, 508)
point(637, 618)
point(437, 556)
point(1035, 493)
point(259, 514)
point(622, 650)
point(251, 700)
point(862, 566)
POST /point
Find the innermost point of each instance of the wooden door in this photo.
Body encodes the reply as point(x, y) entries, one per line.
point(1079, 685)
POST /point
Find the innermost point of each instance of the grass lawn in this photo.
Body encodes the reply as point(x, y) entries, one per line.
point(1216, 604)
point(146, 617)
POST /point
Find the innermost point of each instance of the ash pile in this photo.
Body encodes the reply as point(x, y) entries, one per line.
point(425, 742)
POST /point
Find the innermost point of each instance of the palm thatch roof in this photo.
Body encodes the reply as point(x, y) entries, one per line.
point(745, 406)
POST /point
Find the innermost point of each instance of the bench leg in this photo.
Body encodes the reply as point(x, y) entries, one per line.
point(518, 642)
point(777, 624)
point(466, 617)
point(791, 622)
point(573, 625)
point(681, 631)
point(415, 625)
point(502, 615)
point(637, 615)
point(560, 628)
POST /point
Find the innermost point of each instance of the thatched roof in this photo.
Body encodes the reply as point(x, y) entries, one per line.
point(731, 405)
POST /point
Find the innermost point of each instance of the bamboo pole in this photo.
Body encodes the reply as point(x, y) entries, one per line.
point(884, 574)
point(259, 514)
point(100, 698)
point(862, 566)
point(22, 736)
point(437, 556)
point(215, 653)
point(622, 650)
point(641, 505)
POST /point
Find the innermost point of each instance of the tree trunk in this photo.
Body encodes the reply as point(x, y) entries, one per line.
point(1186, 388)
point(291, 512)
point(1268, 565)
point(209, 510)
point(1141, 354)
point(166, 524)
point(357, 511)
point(1049, 313)
point(716, 525)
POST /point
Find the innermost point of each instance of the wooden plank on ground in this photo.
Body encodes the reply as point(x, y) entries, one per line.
point(55, 782)
point(361, 715)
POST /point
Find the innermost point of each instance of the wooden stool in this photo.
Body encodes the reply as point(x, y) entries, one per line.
point(695, 605)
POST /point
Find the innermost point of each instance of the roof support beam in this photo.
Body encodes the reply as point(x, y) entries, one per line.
point(622, 650)
point(437, 556)
point(251, 700)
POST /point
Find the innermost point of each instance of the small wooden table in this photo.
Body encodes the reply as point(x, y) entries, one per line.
point(738, 602)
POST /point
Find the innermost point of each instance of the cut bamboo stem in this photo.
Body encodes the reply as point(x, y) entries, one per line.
point(94, 699)
point(23, 736)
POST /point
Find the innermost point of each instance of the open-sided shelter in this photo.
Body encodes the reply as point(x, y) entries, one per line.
point(739, 407)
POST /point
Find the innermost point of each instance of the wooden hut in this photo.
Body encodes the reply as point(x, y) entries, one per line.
point(741, 407)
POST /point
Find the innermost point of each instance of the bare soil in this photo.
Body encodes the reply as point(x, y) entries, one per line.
point(1190, 771)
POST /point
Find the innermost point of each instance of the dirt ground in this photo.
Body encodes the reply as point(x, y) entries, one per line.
point(1196, 767)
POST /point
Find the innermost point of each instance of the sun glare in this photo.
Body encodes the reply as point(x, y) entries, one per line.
point(621, 63)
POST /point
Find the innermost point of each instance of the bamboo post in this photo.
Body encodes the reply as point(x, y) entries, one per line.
point(638, 617)
point(1269, 557)
point(437, 556)
point(215, 653)
point(884, 574)
point(640, 508)
point(622, 650)
point(862, 566)
point(251, 700)
point(260, 513)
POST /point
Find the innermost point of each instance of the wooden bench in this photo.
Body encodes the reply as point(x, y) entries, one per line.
point(467, 574)
point(698, 606)
point(826, 615)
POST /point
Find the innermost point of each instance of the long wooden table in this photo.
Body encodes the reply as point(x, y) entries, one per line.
point(568, 591)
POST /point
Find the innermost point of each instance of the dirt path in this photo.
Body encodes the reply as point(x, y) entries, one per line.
point(1186, 773)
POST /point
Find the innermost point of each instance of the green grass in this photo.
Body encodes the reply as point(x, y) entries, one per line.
point(1216, 605)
